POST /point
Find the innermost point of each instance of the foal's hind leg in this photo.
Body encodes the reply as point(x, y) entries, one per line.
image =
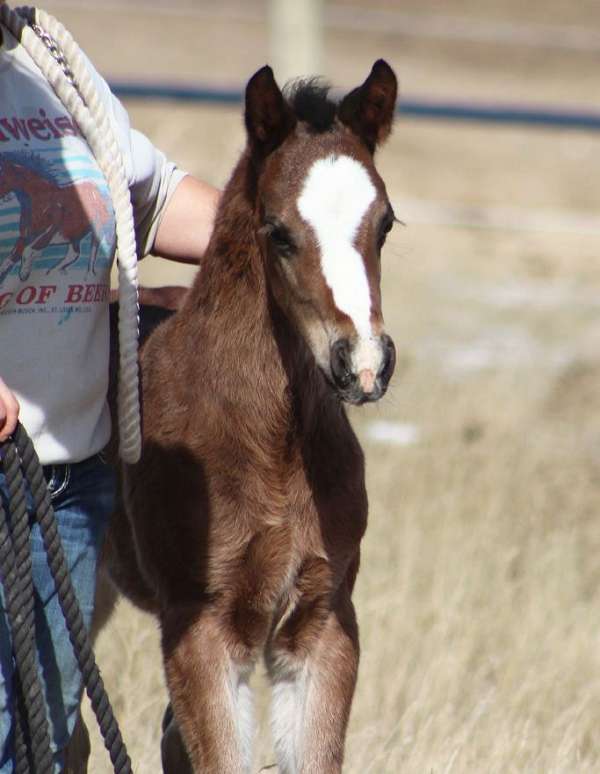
point(209, 691)
point(78, 750)
point(313, 677)
point(173, 753)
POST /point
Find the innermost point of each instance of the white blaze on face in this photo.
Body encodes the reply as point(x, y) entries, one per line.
point(336, 195)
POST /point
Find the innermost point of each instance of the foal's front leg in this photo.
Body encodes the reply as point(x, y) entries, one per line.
point(313, 677)
point(209, 692)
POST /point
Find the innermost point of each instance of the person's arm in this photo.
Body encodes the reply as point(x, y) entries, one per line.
point(187, 222)
point(9, 412)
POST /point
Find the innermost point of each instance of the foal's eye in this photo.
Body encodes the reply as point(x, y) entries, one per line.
point(385, 227)
point(280, 238)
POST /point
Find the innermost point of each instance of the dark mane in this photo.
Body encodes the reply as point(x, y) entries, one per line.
point(309, 98)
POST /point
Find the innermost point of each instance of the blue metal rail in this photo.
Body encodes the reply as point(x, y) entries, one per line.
point(446, 110)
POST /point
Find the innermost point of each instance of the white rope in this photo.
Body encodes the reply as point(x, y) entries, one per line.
point(84, 104)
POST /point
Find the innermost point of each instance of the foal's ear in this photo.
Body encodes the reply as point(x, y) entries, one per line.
point(369, 109)
point(269, 118)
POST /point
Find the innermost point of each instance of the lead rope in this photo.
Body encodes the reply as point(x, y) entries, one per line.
point(32, 739)
point(62, 63)
point(20, 463)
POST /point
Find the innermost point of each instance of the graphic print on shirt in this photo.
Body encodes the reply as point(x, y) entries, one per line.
point(54, 220)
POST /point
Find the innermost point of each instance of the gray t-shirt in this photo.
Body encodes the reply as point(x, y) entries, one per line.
point(57, 244)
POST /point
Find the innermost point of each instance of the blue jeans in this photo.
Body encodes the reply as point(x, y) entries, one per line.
point(82, 497)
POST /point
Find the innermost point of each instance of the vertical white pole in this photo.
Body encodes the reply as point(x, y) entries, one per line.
point(295, 38)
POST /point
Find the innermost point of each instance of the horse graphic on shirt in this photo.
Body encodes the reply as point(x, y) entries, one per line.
point(50, 214)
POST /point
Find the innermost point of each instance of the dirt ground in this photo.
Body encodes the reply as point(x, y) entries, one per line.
point(479, 595)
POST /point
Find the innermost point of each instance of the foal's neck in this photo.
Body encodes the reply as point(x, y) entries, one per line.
point(241, 323)
point(231, 282)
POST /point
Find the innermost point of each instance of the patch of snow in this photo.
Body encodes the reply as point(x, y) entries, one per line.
point(395, 433)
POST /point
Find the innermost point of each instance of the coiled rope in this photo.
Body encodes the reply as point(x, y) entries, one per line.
point(32, 748)
point(62, 63)
point(20, 463)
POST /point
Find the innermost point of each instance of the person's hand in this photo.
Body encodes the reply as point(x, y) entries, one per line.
point(9, 412)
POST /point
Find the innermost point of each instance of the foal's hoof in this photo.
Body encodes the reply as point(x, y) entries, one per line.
point(172, 749)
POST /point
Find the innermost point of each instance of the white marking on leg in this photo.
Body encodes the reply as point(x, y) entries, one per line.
point(28, 256)
point(290, 689)
point(335, 197)
point(243, 713)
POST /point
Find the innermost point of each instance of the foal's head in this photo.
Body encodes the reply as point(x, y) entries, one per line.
point(323, 216)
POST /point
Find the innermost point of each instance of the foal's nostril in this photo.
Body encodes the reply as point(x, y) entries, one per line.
point(389, 359)
point(341, 365)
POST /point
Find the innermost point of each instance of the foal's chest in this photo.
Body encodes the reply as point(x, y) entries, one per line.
point(304, 517)
point(303, 550)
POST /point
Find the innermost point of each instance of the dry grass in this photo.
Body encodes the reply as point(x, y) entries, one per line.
point(479, 590)
point(479, 594)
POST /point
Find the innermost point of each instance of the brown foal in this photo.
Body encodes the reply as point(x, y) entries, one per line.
point(241, 524)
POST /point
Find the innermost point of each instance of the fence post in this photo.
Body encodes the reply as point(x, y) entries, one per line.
point(295, 38)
